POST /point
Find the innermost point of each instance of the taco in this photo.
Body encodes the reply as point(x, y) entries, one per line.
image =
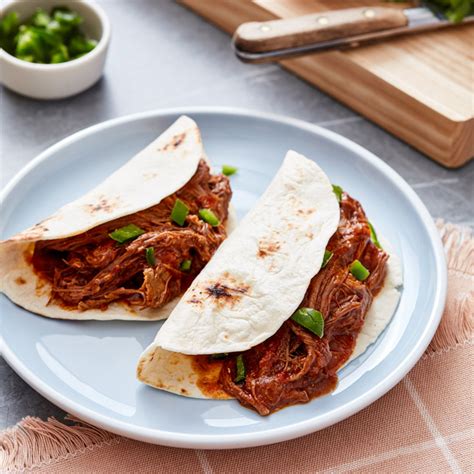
point(131, 246)
point(301, 286)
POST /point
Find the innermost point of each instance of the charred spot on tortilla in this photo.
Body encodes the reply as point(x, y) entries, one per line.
point(266, 248)
point(305, 212)
point(223, 295)
point(220, 291)
point(227, 293)
point(104, 204)
point(36, 232)
point(40, 226)
point(20, 281)
point(175, 142)
point(195, 301)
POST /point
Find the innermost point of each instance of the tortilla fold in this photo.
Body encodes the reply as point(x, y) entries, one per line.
point(156, 172)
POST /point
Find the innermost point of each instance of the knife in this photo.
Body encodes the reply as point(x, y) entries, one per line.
point(267, 41)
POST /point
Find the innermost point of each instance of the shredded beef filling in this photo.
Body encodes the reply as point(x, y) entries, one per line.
point(91, 270)
point(294, 365)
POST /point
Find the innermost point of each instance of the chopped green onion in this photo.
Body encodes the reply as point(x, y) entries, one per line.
point(45, 37)
point(27, 57)
point(459, 9)
point(185, 265)
point(124, 234)
point(49, 39)
point(453, 10)
point(66, 17)
point(219, 356)
point(150, 256)
point(229, 170)
point(240, 369)
point(359, 271)
point(80, 45)
point(327, 256)
point(179, 212)
point(29, 43)
point(40, 18)
point(373, 236)
point(61, 55)
point(337, 191)
point(9, 24)
point(208, 216)
point(310, 319)
point(58, 29)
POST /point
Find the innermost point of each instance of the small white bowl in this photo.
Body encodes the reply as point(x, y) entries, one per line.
point(56, 81)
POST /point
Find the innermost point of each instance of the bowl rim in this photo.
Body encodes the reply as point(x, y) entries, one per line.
point(98, 50)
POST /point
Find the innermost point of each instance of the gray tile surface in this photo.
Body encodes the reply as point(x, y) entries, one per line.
point(162, 55)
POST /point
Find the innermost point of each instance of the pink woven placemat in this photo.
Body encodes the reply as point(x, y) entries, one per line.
point(424, 424)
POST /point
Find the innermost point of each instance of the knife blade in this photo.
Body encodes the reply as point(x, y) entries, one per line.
point(339, 29)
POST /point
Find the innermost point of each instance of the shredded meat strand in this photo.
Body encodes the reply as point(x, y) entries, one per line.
point(294, 365)
point(91, 270)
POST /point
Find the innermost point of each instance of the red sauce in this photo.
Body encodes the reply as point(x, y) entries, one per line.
point(208, 371)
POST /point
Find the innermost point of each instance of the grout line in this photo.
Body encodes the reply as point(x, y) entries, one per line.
point(201, 455)
point(452, 190)
point(330, 123)
point(439, 440)
point(435, 182)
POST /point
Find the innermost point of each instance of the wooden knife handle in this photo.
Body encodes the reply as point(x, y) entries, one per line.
point(257, 37)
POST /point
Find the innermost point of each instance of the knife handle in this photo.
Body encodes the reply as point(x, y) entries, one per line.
point(257, 37)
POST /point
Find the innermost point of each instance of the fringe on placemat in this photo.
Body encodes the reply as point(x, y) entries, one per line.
point(457, 326)
point(34, 443)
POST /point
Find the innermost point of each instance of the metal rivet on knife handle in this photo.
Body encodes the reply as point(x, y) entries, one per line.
point(369, 13)
point(322, 20)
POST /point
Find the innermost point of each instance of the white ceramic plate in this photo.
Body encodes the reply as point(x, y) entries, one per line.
point(88, 368)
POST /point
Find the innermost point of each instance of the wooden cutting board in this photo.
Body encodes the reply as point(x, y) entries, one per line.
point(420, 88)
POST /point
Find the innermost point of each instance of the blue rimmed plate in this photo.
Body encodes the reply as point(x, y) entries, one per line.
point(88, 368)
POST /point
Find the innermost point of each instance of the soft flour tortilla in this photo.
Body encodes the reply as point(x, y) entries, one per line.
point(260, 274)
point(277, 284)
point(159, 170)
point(255, 280)
point(176, 372)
